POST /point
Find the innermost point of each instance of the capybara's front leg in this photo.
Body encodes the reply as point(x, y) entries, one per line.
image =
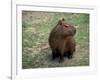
point(70, 55)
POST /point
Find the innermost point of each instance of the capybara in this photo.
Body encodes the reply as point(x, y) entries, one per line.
point(61, 40)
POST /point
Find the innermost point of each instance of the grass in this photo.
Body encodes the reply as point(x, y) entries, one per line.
point(36, 27)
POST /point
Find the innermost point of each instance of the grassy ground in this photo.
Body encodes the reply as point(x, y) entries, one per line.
point(36, 27)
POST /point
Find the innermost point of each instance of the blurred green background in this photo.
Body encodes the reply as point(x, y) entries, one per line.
point(36, 27)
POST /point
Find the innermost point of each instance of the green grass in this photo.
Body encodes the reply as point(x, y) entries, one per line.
point(36, 27)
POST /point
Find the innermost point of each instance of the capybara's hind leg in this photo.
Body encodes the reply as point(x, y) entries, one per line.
point(53, 54)
point(57, 53)
point(61, 58)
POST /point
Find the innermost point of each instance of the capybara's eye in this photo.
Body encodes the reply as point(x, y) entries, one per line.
point(66, 26)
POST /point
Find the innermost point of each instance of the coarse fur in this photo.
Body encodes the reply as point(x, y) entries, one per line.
point(61, 40)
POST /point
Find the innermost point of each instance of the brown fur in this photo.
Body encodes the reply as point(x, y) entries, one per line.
point(61, 40)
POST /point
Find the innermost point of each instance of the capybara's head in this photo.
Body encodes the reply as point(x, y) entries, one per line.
point(63, 23)
point(67, 27)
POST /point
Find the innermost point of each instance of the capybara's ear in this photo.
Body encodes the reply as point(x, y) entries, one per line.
point(60, 22)
point(63, 19)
